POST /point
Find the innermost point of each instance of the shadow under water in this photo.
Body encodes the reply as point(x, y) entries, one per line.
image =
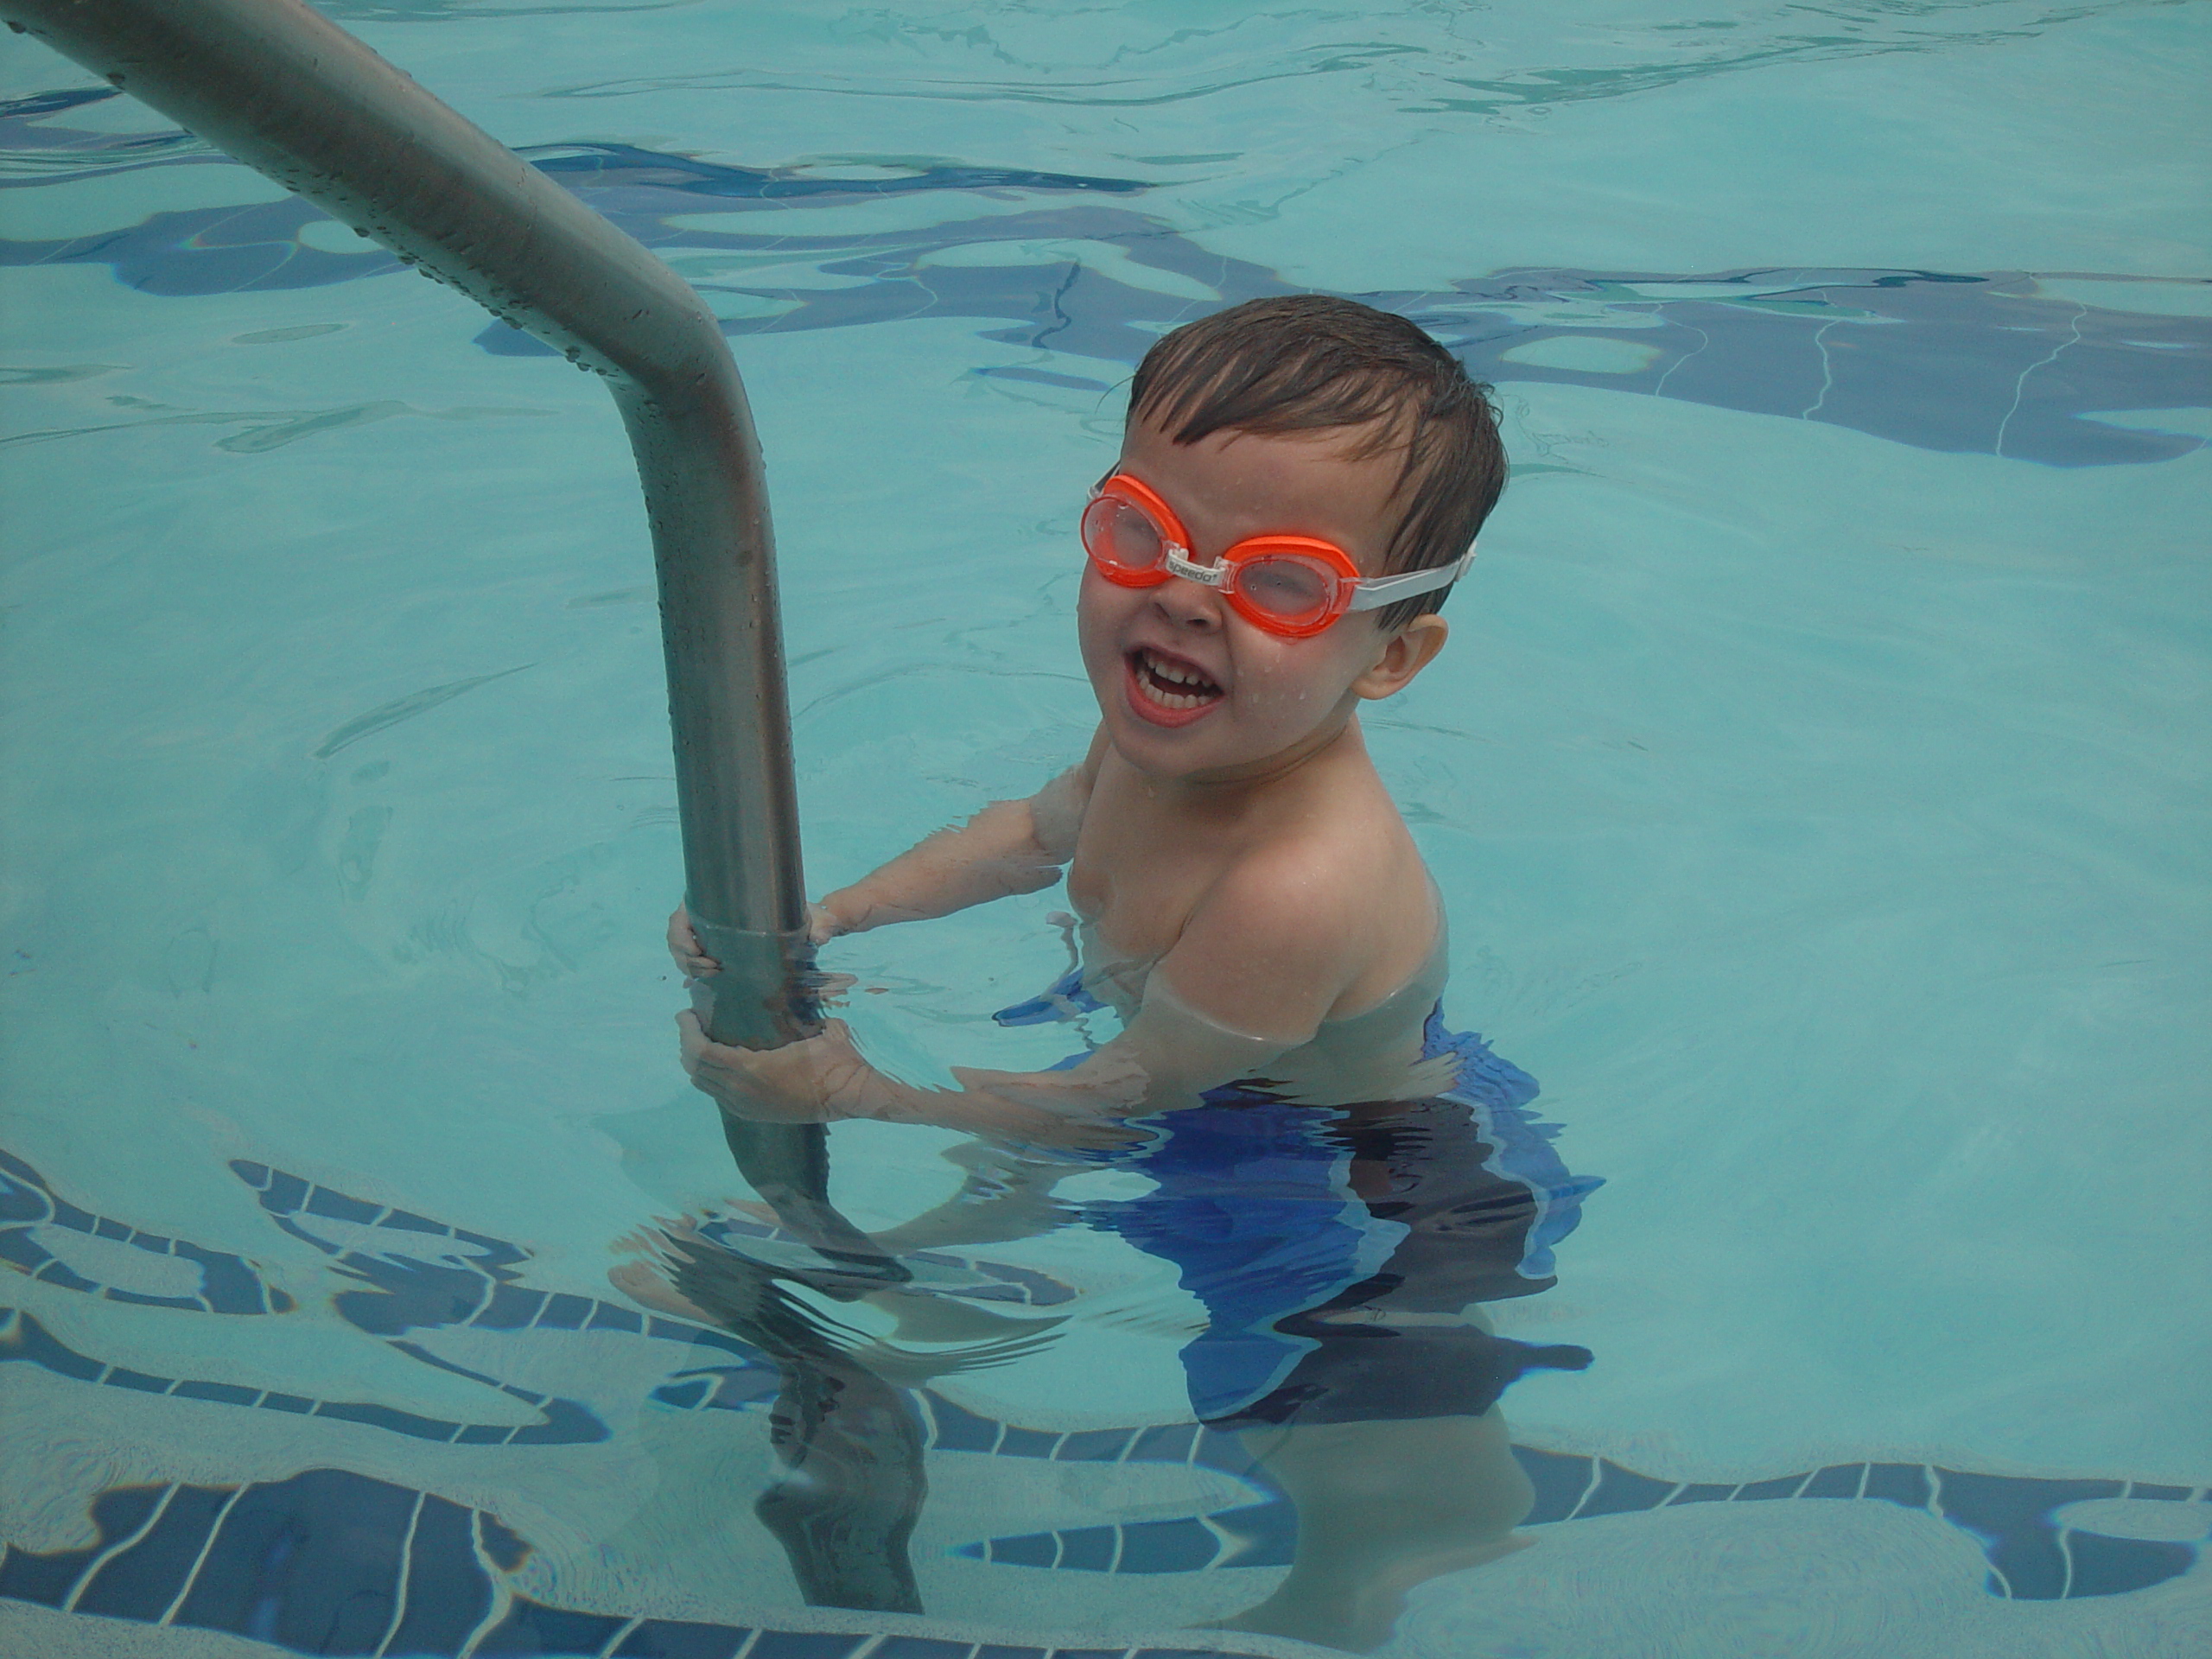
point(1956, 361)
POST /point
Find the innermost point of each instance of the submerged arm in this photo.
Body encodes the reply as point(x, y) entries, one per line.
point(1253, 975)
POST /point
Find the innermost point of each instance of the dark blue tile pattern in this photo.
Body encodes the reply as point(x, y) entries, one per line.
point(2151, 1489)
point(1756, 1491)
point(228, 1284)
point(1837, 1480)
point(803, 1645)
point(279, 1554)
point(1561, 1482)
point(2030, 1557)
point(331, 1562)
point(1906, 1484)
point(1964, 362)
point(146, 1577)
point(448, 1590)
point(560, 1421)
point(1703, 1492)
point(419, 1573)
point(669, 1638)
point(530, 1629)
point(2096, 1565)
point(1622, 1491)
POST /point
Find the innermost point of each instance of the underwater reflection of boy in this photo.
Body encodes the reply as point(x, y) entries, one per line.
point(1300, 481)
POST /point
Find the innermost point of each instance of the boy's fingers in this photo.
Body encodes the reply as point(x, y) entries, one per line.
point(701, 1053)
point(703, 1057)
point(684, 945)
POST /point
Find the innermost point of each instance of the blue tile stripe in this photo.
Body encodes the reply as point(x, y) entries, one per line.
point(435, 1276)
point(1951, 361)
point(334, 1562)
point(2031, 1556)
point(560, 1422)
point(228, 1284)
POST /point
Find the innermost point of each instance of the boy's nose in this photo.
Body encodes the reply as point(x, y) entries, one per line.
point(1188, 603)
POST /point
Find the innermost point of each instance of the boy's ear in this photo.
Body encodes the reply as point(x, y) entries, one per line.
point(1404, 654)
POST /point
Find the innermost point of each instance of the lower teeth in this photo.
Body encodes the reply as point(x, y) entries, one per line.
point(1168, 695)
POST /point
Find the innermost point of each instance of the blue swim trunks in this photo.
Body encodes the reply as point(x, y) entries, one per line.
point(1284, 1219)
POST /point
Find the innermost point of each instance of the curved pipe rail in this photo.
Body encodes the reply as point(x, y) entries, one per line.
point(298, 98)
point(286, 92)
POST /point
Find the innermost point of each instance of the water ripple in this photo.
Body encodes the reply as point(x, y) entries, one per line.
point(1423, 59)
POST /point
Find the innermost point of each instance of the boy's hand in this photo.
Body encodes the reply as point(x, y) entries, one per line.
point(822, 927)
point(684, 945)
point(817, 1081)
point(825, 1079)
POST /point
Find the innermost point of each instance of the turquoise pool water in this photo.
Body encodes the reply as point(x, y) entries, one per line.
point(1816, 778)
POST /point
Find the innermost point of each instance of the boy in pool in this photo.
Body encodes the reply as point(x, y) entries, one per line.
point(1301, 482)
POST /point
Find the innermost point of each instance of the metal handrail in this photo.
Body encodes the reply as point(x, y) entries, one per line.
point(294, 96)
point(298, 98)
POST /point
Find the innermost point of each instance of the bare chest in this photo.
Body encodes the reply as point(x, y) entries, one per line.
point(1141, 868)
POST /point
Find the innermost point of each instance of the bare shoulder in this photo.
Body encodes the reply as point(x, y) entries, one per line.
point(1336, 910)
point(1339, 876)
point(1300, 927)
point(1057, 811)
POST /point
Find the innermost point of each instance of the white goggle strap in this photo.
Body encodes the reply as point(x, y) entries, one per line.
point(1375, 592)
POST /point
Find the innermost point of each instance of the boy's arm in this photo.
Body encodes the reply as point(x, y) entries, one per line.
point(1256, 970)
point(1009, 847)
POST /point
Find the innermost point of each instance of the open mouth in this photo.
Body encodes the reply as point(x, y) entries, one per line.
point(1170, 685)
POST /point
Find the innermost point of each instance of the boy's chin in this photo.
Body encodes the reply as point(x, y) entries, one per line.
point(1208, 751)
point(1157, 747)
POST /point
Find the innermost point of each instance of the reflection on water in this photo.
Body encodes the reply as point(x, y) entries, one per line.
point(1972, 362)
point(1341, 1253)
point(458, 1306)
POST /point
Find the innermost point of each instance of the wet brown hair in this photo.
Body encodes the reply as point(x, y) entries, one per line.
point(1313, 362)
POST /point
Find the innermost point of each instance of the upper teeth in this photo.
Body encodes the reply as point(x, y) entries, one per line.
point(1168, 672)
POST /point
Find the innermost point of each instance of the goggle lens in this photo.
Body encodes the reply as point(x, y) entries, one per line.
point(1287, 588)
point(1123, 538)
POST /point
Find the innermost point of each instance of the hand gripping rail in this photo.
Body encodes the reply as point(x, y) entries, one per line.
point(298, 98)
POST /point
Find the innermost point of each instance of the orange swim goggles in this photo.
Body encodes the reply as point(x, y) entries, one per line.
point(1291, 586)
